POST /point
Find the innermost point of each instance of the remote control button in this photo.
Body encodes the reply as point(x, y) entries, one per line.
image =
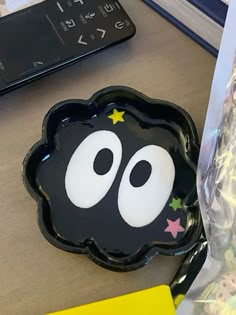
point(81, 41)
point(81, 2)
point(37, 64)
point(117, 5)
point(70, 23)
point(60, 7)
point(90, 16)
point(103, 32)
point(108, 8)
point(119, 25)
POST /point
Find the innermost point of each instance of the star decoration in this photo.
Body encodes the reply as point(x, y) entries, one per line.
point(117, 116)
point(174, 227)
point(176, 204)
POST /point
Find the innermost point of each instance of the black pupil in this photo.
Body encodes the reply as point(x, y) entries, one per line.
point(140, 174)
point(103, 162)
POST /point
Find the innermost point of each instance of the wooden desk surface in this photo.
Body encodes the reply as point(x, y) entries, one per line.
point(35, 277)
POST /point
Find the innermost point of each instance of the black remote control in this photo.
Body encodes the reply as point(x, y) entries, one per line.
point(54, 34)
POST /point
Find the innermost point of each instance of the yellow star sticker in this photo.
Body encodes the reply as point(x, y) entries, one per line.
point(117, 116)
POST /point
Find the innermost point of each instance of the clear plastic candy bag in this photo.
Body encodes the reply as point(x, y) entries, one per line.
point(218, 199)
point(218, 185)
point(214, 290)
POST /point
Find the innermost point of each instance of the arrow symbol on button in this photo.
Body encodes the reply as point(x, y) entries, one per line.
point(102, 31)
point(80, 41)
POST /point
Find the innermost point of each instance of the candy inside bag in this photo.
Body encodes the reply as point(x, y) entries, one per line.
point(217, 193)
point(214, 290)
point(218, 185)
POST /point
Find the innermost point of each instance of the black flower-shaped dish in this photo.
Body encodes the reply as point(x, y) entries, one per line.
point(114, 178)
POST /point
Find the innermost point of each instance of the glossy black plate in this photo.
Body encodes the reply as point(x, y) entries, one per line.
point(114, 177)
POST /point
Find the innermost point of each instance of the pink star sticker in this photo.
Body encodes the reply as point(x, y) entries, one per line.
point(174, 227)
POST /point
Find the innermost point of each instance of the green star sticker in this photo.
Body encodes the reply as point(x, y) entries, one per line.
point(176, 204)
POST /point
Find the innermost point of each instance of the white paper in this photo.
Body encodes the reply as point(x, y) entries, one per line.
point(15, 4)
point(225, 1)
point(10, 6)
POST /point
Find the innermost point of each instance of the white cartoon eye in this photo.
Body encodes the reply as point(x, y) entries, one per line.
point(93, 168)
point(146, 186)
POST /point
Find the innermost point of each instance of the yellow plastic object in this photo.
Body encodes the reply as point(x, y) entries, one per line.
point(155, 301)
point(178, 300)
